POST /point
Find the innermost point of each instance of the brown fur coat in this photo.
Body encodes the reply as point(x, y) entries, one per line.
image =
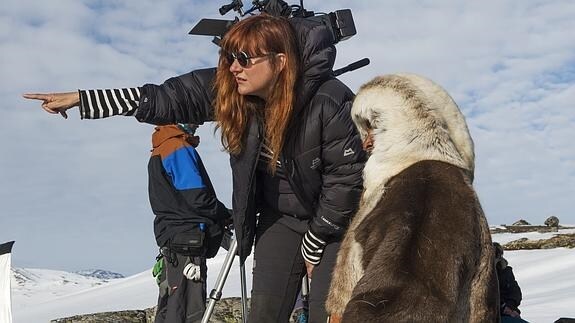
point(419, 248)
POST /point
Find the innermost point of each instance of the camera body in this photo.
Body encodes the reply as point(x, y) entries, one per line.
point(339, 22)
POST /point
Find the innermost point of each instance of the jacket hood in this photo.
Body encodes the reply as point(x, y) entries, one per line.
point(317, 49)
point(163, 133)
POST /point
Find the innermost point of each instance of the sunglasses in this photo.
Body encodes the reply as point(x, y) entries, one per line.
point(243, 58)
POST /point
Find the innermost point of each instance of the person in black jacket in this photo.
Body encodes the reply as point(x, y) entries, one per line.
point(509, 291)
point(295, 153)
point(188, 225)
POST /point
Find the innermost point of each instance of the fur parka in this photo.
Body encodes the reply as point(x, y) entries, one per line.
point(419, 247)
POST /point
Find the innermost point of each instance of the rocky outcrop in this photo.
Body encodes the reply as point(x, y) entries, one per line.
point(530, 228)
point(551, 225)
point(135, 316)
point(521, 222)
point(226, 310)
point(558, 241)
point(524, 228)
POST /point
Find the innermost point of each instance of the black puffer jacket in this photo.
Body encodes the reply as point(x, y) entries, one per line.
point(509, 290)
point(322, 155)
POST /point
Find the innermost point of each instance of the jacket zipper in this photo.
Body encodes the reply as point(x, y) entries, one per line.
point(251, 189)
point(254, 168)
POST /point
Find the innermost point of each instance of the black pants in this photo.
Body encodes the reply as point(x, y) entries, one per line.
point(182, 300)
point(279, 268)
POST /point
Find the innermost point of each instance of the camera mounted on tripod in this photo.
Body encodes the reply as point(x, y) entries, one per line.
point(340, 22)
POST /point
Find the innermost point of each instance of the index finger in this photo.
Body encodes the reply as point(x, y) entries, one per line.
point(37, 96)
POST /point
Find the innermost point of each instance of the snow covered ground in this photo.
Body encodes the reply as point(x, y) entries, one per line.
point(40, 285)
point(547, 279)
point(50, 295)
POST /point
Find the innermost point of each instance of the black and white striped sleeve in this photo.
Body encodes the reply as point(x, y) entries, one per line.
point(312, 248)
point(98, 104)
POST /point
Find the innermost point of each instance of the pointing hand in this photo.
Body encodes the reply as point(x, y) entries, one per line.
point(56, 102)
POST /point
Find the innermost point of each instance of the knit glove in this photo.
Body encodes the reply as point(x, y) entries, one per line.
point(312, 248)
point(192, 271)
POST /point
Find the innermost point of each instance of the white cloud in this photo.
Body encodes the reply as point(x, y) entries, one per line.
point(510, 65)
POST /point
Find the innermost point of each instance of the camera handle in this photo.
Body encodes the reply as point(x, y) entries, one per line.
point(235, 5)
point(352, 67)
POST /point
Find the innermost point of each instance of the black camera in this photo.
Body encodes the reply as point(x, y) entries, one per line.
point(339, 22)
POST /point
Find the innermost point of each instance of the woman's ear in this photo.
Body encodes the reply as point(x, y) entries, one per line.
point(282, 59)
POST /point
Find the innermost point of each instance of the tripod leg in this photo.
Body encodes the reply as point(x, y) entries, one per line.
point(216, 293)
point(304, 314)
point(305, 286)
point(244, 293)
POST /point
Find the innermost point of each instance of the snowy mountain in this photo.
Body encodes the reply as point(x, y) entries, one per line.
point(546, 277)
point(100, 274)
point(31, 286)
point(41, 295)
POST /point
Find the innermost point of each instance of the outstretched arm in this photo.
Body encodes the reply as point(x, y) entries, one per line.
point(186, 98)
point(93, 104)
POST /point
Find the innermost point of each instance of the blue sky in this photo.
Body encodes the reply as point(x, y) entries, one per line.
point(73, 193)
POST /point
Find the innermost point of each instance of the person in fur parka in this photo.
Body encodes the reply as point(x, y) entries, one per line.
point(419, 247)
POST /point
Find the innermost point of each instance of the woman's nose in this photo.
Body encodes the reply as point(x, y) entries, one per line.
point(235, 66)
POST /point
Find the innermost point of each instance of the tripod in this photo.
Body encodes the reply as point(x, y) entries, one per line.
point(216, 293)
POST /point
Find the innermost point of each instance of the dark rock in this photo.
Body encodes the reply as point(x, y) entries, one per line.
point(524, 228)
point(558, 241)
point(226, 310)
point(100, 274)
point(565, 320)
point(501, 229)
point(136, 316)
point(521, 222)
point(552, 221)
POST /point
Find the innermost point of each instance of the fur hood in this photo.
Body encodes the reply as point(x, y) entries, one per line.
point(412, 119)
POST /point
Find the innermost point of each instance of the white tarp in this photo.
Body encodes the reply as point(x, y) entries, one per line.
point(5, 264)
